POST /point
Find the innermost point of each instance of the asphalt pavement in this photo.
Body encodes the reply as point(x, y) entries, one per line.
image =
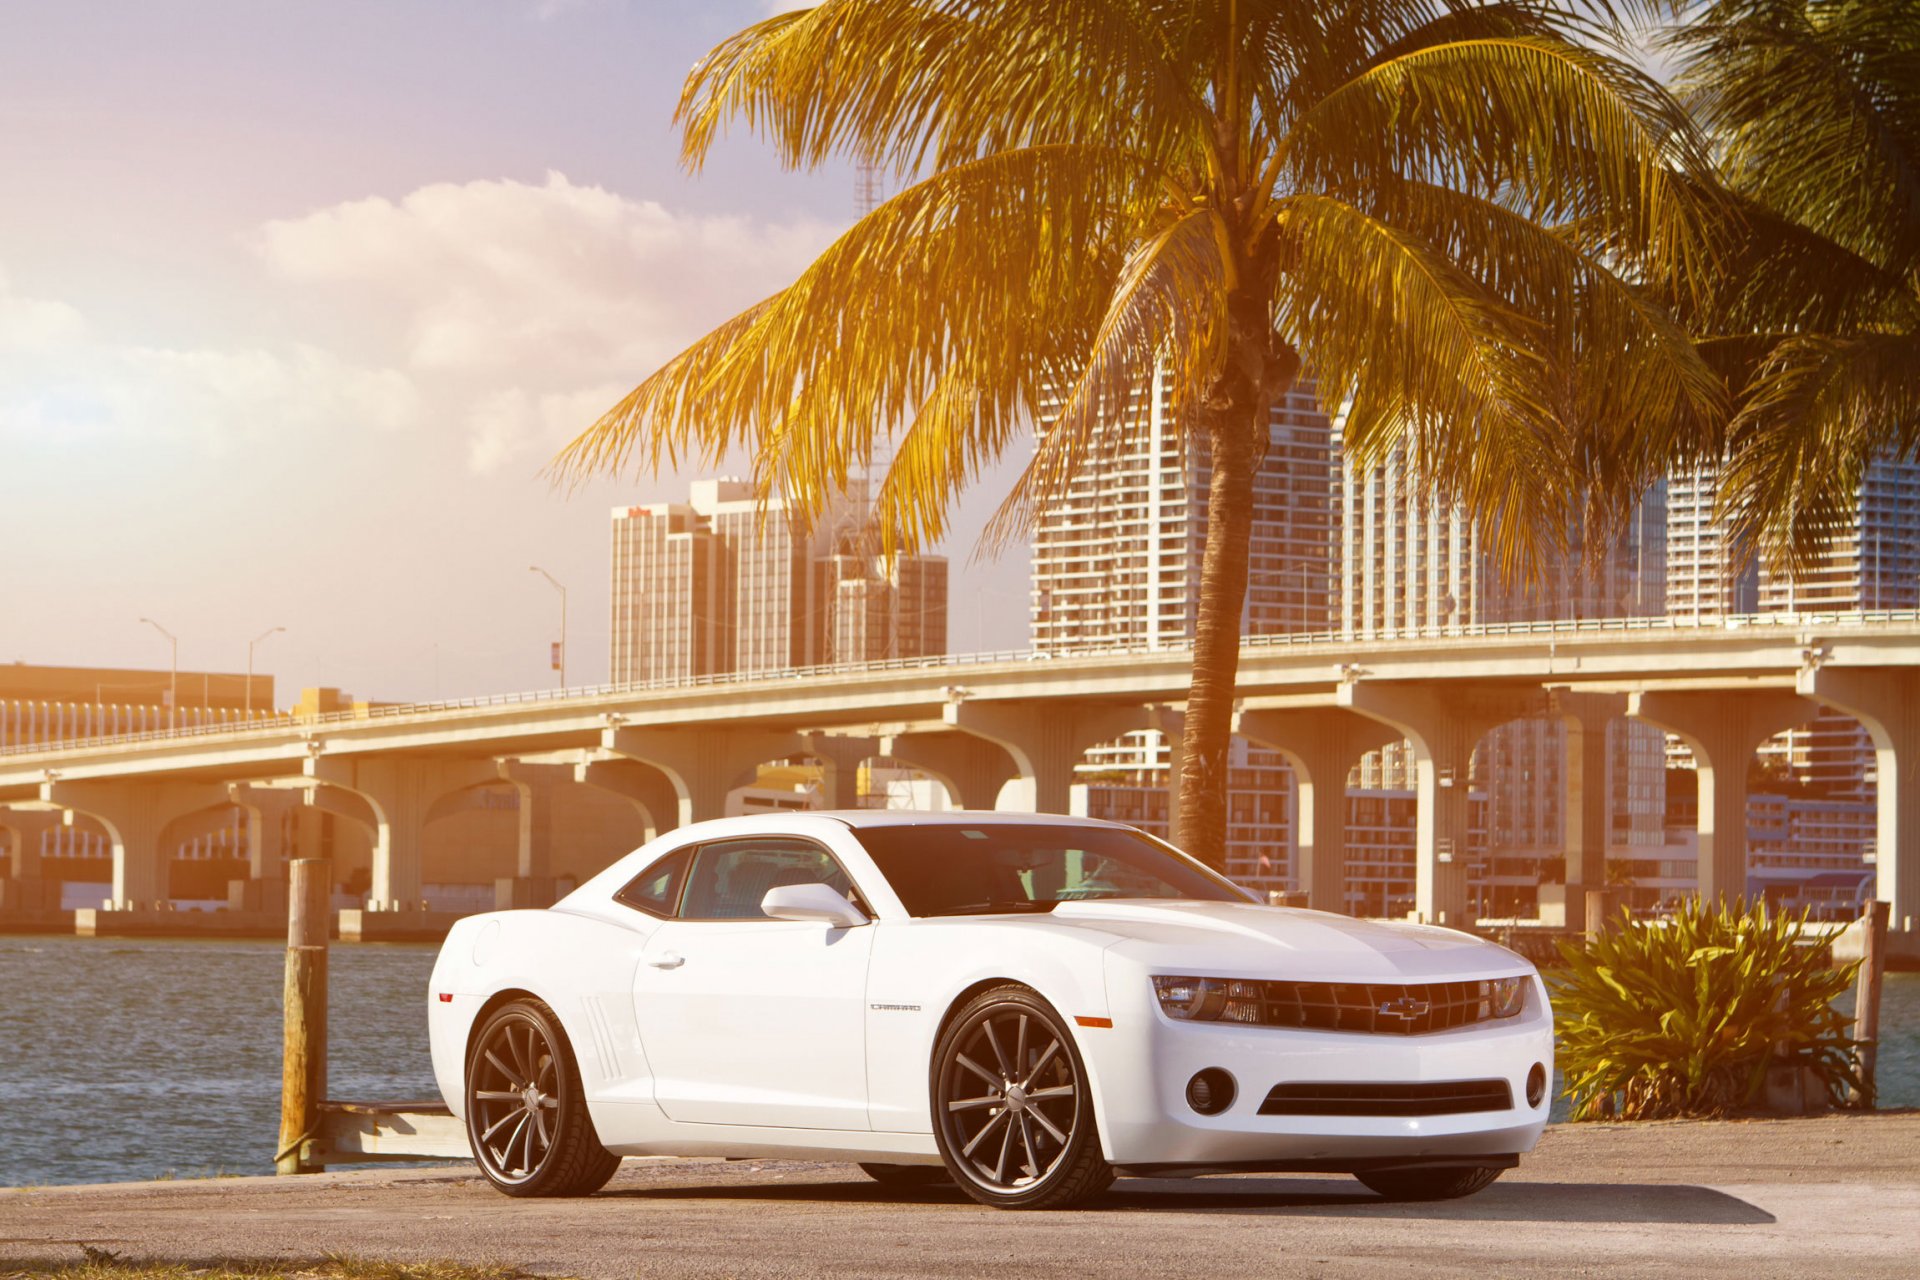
point(1837, 1195)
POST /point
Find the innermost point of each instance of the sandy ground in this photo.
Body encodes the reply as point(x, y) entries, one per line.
point(1837, 1196)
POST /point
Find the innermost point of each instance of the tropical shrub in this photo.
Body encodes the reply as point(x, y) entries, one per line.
point(1682, 1017)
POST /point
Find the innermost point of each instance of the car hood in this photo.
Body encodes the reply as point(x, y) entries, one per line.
point(1244, 940)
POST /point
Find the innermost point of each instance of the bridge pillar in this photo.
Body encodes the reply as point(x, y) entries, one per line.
point(1443, 728)
point(703, 764)
point(649, 790)
point(400, 790)
point(1887, 701)
point(532, 883)
point(1584, 797)
point(268, 812)
point(1722, 727)
point(971, 769)
point(1322, 744)
point(21, 887)
point(134, 814)
point(840, 759)
point(1046, 740)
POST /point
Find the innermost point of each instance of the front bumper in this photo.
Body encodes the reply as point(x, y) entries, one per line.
point(1141, 1067)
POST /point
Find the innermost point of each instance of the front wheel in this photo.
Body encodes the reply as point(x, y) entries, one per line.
point(527, 1118)
point(1428, 1184)
point(1012, 1111)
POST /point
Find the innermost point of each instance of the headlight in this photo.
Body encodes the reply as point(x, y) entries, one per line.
point(1502, 997)
point(1209, 999)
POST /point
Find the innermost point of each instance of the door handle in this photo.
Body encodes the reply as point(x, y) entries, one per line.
point(671, 960)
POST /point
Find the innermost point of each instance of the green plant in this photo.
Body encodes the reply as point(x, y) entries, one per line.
point(1682, 1017)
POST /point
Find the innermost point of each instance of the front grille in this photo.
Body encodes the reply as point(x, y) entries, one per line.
point(1390, 1008)
point(1440, 1098)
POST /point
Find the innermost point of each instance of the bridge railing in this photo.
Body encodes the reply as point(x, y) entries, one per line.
point(1343, 640)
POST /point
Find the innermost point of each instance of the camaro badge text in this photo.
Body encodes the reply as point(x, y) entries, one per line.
point(1408, 1007)
point(896, 1008)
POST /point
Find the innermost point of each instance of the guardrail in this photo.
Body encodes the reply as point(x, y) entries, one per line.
point(1346, 641)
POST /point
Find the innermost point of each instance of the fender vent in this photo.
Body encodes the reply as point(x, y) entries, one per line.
point(1341, 1098)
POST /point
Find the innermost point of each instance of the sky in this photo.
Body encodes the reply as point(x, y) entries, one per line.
point(297, 299)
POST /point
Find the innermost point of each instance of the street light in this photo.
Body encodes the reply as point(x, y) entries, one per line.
point(251, 644)
point(557, 586)
point(173, 685)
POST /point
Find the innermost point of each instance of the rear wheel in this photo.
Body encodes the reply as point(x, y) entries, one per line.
point(907, 1177)
point(1428, 1184)
point(527, 1115)
point(1012, 1111)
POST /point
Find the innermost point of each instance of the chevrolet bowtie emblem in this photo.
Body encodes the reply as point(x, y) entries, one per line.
point(1408, 1007)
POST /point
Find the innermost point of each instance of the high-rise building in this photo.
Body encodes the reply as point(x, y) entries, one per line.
point(1116, 564)
point(727, 583)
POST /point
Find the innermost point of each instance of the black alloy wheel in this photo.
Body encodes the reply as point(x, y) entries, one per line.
point(527, 1115)
point(1012, 1111)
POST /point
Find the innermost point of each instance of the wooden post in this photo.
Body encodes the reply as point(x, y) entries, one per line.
point(303, 1078)
point(1866, 1005)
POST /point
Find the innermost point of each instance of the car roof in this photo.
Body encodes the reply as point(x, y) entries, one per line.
point(913, 818)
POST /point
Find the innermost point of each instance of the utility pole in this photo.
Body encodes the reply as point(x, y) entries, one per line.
point(251, 645)
point(557, 586)
point(173, 683)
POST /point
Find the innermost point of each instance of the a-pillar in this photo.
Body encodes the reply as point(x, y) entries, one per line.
point(1322, 744)
point(1443, 727)
point(268, 812)
point(1046, 740)
point(703, 764)
point(1584, 823)
point(400, 790)
point(21, 889)
point(532, 883)
point(971, 769)
point(1887, 701)
point(840, 759)
point(1722, 727)
point(134, 815)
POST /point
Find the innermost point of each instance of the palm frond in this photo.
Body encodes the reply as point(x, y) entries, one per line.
point(1427, 355)
point(1819, 412)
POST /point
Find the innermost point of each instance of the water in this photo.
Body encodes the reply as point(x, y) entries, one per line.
point(133, 1059)
point(124, 1060)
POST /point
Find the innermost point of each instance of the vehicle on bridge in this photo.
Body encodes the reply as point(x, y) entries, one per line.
point(1026, 1005)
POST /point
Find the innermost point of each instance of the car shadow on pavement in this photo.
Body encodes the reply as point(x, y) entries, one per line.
point(1677, 1203)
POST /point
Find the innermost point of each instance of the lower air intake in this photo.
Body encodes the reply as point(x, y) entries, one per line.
point(1438, 1098)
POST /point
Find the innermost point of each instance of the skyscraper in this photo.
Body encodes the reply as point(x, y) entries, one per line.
point(725, 583)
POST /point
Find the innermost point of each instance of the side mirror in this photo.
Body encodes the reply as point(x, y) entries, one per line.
point(812, 902)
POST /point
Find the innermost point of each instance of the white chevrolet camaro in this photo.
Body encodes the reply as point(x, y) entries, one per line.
point(1026, 1005)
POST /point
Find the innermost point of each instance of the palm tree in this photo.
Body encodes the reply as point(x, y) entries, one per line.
point(1428, 207)
point(1814, 110)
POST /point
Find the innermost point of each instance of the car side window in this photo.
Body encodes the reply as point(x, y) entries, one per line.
point(730, 877)
point(656, 890)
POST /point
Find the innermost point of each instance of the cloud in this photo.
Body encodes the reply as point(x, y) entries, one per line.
point(36, 324)
point(498, 317)
point(547, 301)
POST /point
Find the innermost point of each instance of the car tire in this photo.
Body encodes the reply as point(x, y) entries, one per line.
point(1017, 1131)
point(1428, 1184)
point(907, 1177)
point(527, 1118)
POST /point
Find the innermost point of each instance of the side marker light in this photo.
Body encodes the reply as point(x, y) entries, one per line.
point(1093, 1022)
point(446, 997)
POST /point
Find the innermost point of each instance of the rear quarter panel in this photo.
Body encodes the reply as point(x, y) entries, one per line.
point(580, 966)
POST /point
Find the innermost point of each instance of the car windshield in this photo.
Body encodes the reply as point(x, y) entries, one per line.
point(952, 869)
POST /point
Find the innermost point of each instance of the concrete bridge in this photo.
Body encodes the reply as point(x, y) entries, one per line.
point(976, 722)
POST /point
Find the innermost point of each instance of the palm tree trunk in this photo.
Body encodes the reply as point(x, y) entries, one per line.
point(1236, 451)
